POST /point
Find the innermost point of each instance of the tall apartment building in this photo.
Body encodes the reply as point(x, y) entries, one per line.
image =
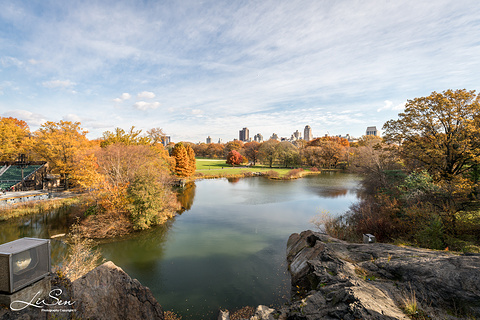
point(209, 140)
point(275, 137)
point(244, 135)
point(166, 140)
point(372, 131)
point(296, 136)
point(258, 137)
point(307, 133)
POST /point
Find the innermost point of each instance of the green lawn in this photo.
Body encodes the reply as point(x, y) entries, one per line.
point(220, 167)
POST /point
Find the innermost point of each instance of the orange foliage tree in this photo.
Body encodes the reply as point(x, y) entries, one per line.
point(185, 163)
point(58, 143)
point(13, 138)
point(234, 158)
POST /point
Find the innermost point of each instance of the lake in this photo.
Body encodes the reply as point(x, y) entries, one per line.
point(226, 250)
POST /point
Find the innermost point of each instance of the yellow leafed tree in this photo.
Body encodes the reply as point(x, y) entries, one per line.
point(13, 138)
point(58, 143)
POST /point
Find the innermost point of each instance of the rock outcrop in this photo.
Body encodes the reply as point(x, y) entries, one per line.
point(107, 292)
point(381, 281)
point(333, 279)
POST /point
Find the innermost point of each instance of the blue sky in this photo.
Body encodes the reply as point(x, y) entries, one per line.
point(210, 68)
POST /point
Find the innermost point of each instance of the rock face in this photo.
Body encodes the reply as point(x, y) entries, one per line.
point(107, 292)
point(337, 280)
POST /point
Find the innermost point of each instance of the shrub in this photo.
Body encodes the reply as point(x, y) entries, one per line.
point(151, 202)
point(82, 256)
point(272, 174)
point(295, 173)
point(432, 236)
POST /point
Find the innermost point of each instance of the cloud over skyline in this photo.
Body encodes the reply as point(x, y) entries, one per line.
point(219, 66)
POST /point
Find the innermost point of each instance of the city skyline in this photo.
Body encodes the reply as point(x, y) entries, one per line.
point(202, 68)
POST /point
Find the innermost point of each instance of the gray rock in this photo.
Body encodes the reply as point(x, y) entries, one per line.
point(263, 313)
point(333, 279)
point(107, 292)
point(224, 315)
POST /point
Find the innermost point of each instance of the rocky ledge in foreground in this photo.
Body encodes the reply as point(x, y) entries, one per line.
point(106, 292)
point(333, 279)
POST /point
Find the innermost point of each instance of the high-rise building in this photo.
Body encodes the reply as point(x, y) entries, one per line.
point(296, 136)
point(258, 137)
point(307, 133)
point(166, 140)
point(244, 135)
point(209, 140)
point(274, 137)
point(372, 131)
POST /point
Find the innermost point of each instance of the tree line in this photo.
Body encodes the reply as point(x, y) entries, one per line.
point(128, 174)
point(324, 152)
point(421, 182)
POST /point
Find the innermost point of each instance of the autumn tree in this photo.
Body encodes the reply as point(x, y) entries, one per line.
point(234, 158)
point(151, 202)
point(156, 136)
point(325, 152)
point(287, 153)
point(132, 137)
point(233, 145)
point(200, 150)
point(268, 152)
point(58, 143)
point(440, 133)
point(215, 150)
point(182, 161)
point(13, 138)
point(251, 151)
point(192, 163)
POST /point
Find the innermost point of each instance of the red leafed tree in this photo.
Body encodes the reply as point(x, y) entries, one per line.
point(234, 158)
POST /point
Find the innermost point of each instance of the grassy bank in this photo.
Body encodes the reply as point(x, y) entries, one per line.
point(217, 168)
point(34, 207)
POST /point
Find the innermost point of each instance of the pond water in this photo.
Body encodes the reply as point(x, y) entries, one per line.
point(226, 250)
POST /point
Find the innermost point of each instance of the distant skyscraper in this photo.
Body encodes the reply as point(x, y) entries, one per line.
point(274, 137)
point(166, 140)
point(296, 135)
point(258, 137)
point(220, 140)
point(209, 140)
point(307, 133)
point(244, 135)
point(372, 131)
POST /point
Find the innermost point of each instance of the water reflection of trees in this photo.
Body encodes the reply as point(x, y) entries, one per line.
point(233, 180)
point(330, 192)
point(186, 196)
point(42, 225)
point(139, 251)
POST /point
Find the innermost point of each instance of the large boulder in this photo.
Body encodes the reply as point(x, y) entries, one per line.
point(333, 279)
point(107, 292)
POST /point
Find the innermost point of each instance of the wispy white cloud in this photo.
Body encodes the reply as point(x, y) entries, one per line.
point(146, 95)
point(72, 117)
point(251, 63)
point(123, 97)
point(32, 119)
point(389, 105)
point(143, 105)
point(65, 84)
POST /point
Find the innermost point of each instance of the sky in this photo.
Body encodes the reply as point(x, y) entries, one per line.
point(210, 68)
